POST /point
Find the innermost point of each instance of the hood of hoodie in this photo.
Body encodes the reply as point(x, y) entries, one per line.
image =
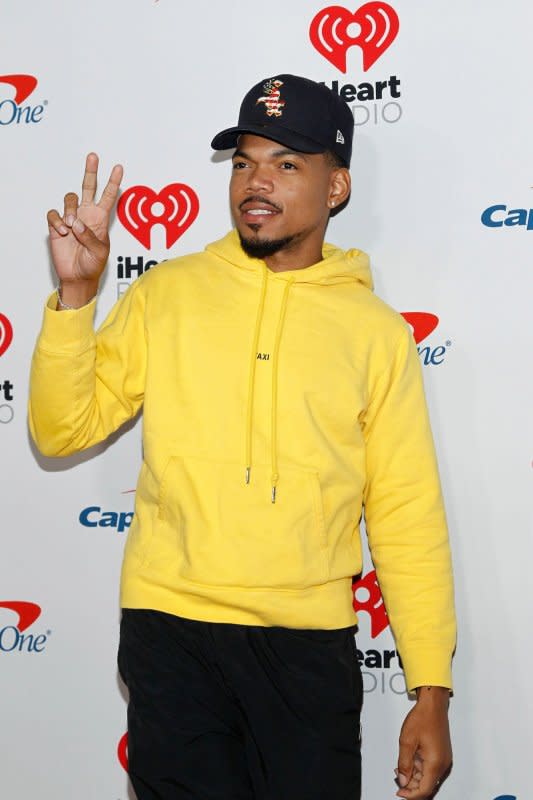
point(337, 265)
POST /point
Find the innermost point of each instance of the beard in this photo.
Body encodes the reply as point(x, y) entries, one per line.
point(262, 248)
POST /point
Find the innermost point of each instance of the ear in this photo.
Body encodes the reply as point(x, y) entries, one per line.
point(340, 187)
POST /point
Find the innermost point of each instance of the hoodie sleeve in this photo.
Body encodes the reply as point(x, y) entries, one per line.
point(83, 385)
point(405, 520)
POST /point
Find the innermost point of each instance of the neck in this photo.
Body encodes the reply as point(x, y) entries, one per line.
point(297, 258)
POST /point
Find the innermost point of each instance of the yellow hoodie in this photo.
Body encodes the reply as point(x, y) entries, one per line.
point(275, 406)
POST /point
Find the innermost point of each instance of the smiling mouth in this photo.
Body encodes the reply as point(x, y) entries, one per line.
point(257, 207)
point(255, 215)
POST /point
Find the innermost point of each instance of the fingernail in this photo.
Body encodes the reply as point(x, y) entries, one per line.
point(78, 226)
point(402, 780)
point(63, 229)
point(70, 220)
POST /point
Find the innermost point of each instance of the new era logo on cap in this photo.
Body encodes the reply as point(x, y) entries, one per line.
point(340, 137)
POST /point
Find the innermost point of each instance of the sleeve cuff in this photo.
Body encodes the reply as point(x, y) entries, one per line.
point(67, 331)
point(427, 669)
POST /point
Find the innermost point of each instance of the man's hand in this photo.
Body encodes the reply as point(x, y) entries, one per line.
point(79, 240)
point(425, 748)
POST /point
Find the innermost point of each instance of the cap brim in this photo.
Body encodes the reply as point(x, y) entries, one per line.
point(228, 138)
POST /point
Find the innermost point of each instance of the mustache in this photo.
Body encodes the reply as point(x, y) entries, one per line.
point(257, 198)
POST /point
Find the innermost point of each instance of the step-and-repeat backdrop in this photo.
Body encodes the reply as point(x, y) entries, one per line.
point(442, 201)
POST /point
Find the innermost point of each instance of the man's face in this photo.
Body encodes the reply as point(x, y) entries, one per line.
point(280, 198)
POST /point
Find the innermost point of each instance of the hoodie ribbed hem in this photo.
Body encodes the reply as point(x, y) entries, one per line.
point(327, 606)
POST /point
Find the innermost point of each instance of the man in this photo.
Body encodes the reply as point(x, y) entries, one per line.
point(280, 396)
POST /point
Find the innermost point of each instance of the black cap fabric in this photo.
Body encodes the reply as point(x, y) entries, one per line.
point(297, 112)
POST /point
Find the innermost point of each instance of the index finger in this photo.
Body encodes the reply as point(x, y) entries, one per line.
point(88, 186)
point(109, 195)
point(427, 786)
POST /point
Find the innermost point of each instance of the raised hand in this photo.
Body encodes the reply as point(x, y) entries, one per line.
point(79, 240)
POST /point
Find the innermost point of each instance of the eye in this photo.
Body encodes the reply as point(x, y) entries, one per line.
point(288, 165)
point(238, 165)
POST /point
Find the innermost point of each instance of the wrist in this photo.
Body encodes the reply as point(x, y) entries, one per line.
point(75, 295)
point(435, 696)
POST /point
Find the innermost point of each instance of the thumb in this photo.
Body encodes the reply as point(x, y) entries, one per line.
point(96, 247)
point(406, 760)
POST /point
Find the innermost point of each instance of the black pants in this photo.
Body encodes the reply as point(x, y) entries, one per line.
point(237, 712)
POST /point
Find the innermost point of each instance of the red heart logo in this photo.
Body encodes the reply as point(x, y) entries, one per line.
point(175, 207)
point(373, 603)
point(421, 322)
point(6, 334)
point(373, 28)
point(122, 751)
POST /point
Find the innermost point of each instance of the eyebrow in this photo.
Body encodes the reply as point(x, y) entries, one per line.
point(285, 151)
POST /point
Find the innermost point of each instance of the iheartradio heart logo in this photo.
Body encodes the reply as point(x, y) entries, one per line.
point(373, 28)
point(122, 751)
point(372, 603)
point(175, 207)
point(6, 334)
point(422, 323)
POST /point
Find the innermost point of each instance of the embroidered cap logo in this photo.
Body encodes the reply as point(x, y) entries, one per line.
point(271, 98)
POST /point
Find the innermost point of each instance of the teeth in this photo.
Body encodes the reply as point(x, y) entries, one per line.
point(258, 211)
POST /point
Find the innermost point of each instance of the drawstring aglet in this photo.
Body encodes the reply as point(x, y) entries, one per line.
point(274, 483)
point(247, 475)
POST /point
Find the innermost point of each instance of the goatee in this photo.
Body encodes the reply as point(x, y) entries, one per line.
point(262, 248)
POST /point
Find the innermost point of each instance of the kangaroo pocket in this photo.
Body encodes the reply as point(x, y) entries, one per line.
point(213, 528)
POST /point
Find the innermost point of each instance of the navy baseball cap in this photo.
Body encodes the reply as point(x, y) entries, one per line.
point(297, 112)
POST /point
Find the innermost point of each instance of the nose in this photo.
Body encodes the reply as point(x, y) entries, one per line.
point(260, 179)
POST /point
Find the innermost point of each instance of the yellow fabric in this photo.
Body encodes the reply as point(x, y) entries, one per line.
point(274, 412)
point(251, 378)
point(329, 412)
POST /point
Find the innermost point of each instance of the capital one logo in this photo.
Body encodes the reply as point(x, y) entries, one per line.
point(94, 517)
point(175, 207)
point(6, 334)
point(422, 323)
point(12, 110)
point(373, 28)
point(367, 597)
point(12, 636)
point(498, 216)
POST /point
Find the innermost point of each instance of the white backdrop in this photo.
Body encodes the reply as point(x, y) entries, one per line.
point(147, 84)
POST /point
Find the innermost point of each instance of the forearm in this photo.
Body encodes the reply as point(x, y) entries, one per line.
point(415, 575)
point(83, 385)
point(62, 381)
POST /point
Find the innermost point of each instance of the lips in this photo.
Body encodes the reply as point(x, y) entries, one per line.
point(254, 211)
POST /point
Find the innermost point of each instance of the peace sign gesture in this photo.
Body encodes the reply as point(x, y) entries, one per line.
point(79, 240)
